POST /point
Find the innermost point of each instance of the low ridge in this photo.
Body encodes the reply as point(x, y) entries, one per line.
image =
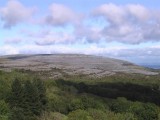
point(71, 64)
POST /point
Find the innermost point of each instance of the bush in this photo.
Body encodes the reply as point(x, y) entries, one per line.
point(58, 104)
point(121, 105)
point(52, 116)
point(98, 114)
point(90, 102)
point(3, 117)
point(4, 108)
point(76, 104)
point(17, 114)
point(79, 115)
point(125, 116)
point(145, 111)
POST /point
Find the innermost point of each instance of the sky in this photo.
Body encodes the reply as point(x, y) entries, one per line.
point(123, 29)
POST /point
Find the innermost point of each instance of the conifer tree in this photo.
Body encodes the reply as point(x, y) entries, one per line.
point(16, 101)
point(39, 84)
point(16, 98)
point(32, 101)
point(27, 100)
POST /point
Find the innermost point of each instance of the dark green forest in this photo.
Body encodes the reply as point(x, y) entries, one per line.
point(28, 95)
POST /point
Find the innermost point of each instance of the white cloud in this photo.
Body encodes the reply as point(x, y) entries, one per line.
point(132, 24)
point(139, 12)
point(88, 34)
point(8, 50)
point(49, 37)
point(50, 49)
point(115, 51)
point(55, 38)
point(129, 24)
point(15, 40)
point(15, 12)
point(61, 15)
point(113, 13)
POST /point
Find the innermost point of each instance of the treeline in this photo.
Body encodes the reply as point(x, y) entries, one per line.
point(130, 91)
point(27, 99)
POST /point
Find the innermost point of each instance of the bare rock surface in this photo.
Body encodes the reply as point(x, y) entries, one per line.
point(71, 64)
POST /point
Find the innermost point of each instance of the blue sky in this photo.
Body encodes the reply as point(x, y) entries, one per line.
point(125, 29)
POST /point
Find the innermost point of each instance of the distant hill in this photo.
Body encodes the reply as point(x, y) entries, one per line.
point(151, 66)
point(71, 64)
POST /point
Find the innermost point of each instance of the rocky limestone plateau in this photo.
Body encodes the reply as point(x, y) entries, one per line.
point(71, 64)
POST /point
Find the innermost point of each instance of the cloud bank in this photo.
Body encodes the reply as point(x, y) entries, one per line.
point(129, 24)
point(142, 54)
point(14, 13)
point(132, 24)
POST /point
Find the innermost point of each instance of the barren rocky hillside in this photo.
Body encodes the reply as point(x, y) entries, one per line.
point(71, 64)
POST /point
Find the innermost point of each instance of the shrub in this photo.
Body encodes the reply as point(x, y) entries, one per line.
point(4, 108)
point(79, 115)
point(98, 114)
